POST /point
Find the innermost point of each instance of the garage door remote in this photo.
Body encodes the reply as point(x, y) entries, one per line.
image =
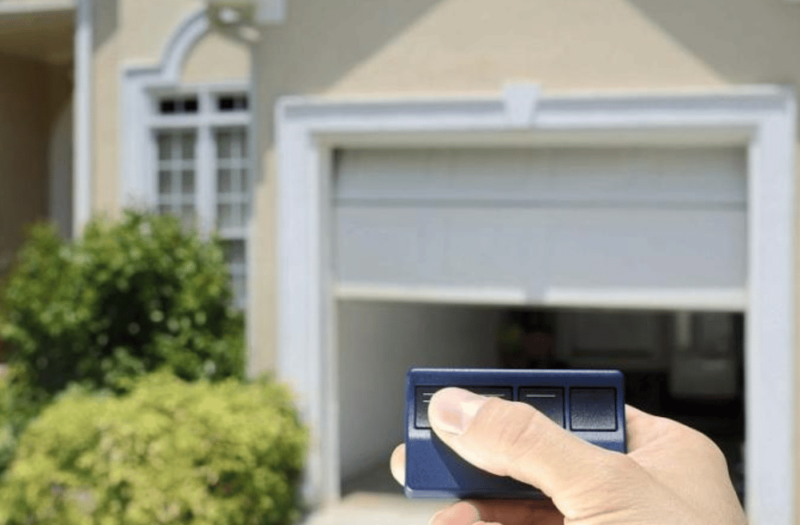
point(588, 403)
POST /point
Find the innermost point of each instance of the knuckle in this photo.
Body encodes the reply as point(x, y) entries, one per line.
point(706, 448)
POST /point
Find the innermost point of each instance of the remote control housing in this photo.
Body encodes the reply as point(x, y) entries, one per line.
point(588, 403)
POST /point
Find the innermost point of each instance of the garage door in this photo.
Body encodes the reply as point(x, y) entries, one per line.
point(530, 223)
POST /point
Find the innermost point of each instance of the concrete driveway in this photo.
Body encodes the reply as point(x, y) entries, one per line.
point(369, 508)
point(374, 497)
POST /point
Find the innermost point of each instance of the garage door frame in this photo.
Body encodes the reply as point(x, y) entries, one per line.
point(760, 119)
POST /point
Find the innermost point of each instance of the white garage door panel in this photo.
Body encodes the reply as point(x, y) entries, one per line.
point(538, 249)
point(585, 175)
point(533, 221)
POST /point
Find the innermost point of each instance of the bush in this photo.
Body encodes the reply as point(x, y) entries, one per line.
point(168, 453)
point(125, 299)
point(18, 405)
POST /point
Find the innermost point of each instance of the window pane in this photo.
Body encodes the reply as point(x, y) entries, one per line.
point(225, 217)
point(224, 181)
point(223, 145)
point(187, 146)
point(235, 256)
point(164, 182)
point(167, 106)
point(232, 174)
point(190, 105)
point(176, 176)
point(242, 144)
point(234, 251)
point(187, 182)
point(239, 290)
point(173, 105)
point(187, 216)
point(164, 146)
point(232, 103)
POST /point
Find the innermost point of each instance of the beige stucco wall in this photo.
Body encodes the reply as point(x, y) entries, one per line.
point(217, 59)
point(32, 95)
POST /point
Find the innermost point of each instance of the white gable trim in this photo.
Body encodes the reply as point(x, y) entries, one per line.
point(762, 119)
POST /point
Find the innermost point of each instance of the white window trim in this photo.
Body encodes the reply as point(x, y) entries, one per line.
point(761, 119)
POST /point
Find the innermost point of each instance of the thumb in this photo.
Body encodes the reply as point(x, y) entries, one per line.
point(514, 439)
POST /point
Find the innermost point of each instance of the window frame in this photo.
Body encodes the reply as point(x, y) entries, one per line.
point(205, 123)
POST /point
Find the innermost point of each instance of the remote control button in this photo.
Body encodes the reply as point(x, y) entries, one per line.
point(423, 395)
point(492, 391)
point(548, 401)
point(593, 408)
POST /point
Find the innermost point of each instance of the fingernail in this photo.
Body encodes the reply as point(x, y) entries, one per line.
point(453, 409)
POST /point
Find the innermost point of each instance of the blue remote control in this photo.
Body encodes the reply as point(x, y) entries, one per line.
point(588, 403)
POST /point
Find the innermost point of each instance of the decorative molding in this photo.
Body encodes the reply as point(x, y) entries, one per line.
point(520, 101)
point(760, 119)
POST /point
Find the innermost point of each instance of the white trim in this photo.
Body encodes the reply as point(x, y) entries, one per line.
point(726, 300)
point(759, 118)
point(40, 7)
point(218, 120)
point(431, 294)
point(82, 118)
point(722, 300)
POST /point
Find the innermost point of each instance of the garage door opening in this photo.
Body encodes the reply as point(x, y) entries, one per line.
point(684, 365)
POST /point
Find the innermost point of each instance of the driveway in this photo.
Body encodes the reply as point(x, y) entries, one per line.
point(374, 497)
point(370, 508)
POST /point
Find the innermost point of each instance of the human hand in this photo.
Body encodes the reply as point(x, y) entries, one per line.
point(671, 474)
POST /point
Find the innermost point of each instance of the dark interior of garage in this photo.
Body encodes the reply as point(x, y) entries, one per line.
point(687, 366)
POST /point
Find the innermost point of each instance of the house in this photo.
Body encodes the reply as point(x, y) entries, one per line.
point(436, 182)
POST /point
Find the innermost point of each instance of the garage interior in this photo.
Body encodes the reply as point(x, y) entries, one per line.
point(567, 256)
point(683, 365)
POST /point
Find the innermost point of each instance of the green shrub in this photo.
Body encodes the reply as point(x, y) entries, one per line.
point(167, 453)
point(18, 405)
point(127, 298)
